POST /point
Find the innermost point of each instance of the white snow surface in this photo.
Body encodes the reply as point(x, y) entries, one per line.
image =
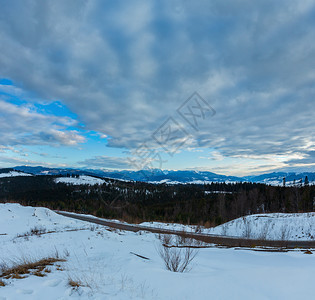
point(16, 219)
point(102, 259)
point(82, 179)
point(14, 174)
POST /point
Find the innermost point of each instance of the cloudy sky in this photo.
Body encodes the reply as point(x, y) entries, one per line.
point(224, 86)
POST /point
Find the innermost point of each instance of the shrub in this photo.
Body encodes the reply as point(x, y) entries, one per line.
point(285, 232)
point(264, 231)
point(175, 259)
point(37, 230)
point(247, 228)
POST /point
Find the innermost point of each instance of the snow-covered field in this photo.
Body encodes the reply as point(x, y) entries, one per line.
point(104, 262)
point(82, 179)
point(14, 174)
point(276, 226)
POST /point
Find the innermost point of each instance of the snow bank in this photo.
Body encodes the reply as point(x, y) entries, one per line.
point(82, 179)
point(170, 226)
point(13, 174)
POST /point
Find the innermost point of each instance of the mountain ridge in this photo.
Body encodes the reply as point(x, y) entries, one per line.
point(173, 177)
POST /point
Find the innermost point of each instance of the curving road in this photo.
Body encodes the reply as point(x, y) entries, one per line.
point(207, 238)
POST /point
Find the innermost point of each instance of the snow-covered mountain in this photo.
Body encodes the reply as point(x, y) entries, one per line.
point(173, 177)
point(276, 178)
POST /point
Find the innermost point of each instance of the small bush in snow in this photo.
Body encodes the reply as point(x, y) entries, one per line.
point(264, 230)
point(247, 228)
point(176, 259)
point(224, 229)
point(284, 232)
point(38, 230)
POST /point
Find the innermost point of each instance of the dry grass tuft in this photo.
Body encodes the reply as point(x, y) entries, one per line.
point(39, 274)
point(2, 283)
point(28, 267)
point(74, 283)
point(16, 276)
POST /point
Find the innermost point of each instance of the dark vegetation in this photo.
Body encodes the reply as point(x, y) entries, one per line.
point(207, 205)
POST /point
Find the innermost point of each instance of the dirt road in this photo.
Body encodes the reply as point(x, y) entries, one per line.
point(207, 238)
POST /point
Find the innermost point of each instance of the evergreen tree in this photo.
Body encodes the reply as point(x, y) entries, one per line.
point(306, 182)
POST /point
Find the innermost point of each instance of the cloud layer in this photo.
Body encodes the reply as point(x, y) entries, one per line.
point(124, 67)
point(22, 125)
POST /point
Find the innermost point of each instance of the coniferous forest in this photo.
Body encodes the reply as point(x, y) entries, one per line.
point(208, 205)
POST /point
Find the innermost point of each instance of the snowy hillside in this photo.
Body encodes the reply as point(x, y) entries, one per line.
point(277, 226)
point(113, 264)
point(18, 220)
point(82, 179)
point(13, 174)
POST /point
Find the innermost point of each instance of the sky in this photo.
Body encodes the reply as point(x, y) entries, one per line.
point(223, 86)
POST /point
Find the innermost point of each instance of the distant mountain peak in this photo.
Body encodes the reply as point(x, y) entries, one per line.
point(173, 176)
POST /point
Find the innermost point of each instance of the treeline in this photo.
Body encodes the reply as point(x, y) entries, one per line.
point(208, 205)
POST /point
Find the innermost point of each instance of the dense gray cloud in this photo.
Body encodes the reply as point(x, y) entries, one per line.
point(125, 66)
